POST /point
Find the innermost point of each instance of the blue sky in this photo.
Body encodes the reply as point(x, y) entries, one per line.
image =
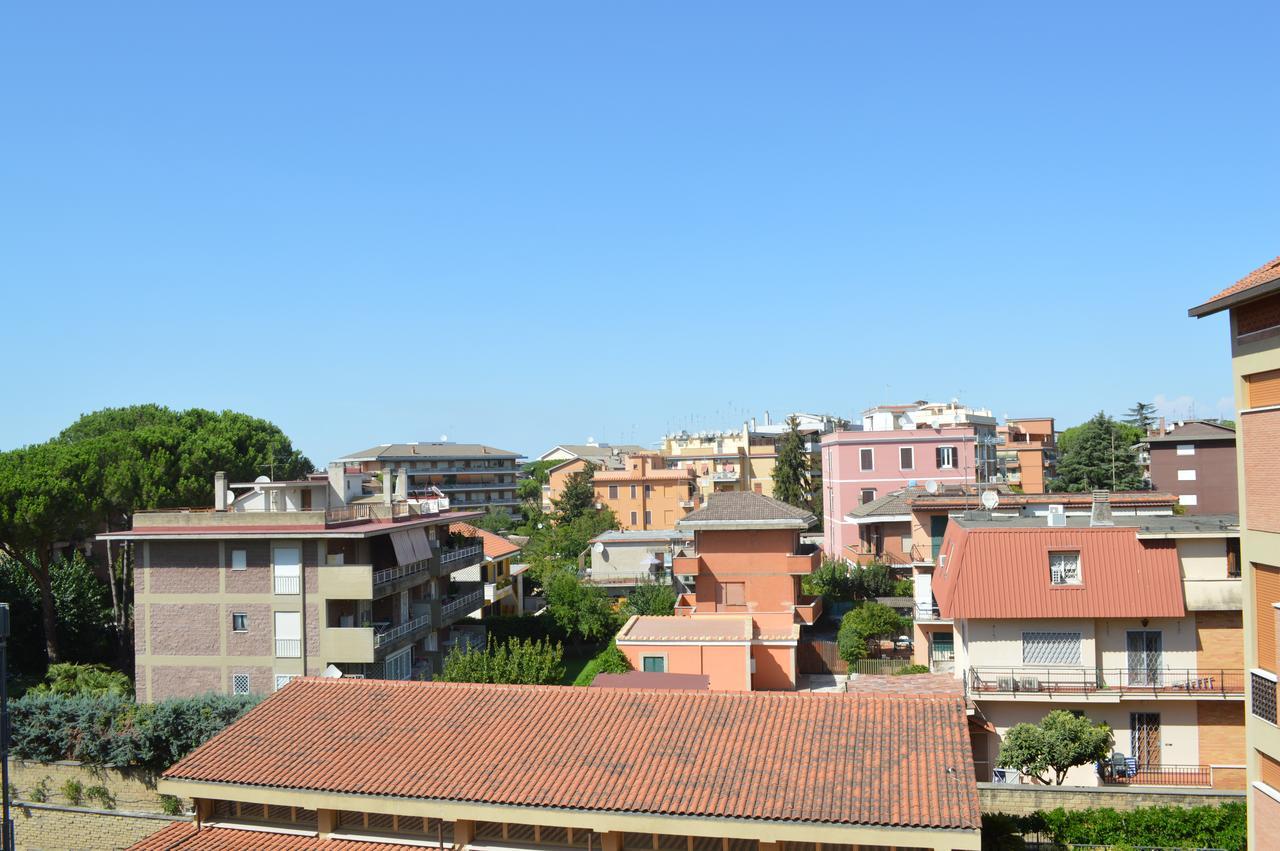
point(529, 223)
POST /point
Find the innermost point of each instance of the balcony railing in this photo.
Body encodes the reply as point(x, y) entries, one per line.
point(1158, 775)
point(402, 630)
point(929, 613)
point(288, 648)
point(451, 556)
point(391, 574)
point(369, 512)
point(463, 605)
point(1262, 696)
point(287, 584)
point(1075, 681)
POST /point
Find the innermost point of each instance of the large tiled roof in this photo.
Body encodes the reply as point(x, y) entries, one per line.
point(693, 628)
point(495, 546)
point(651, 474)
point(988, 570)
point(185, 836)
point(1265, 274)
point(407, 451)
point(746, 509)
point(779, 756)
point(943, 684)
point(1195, 430)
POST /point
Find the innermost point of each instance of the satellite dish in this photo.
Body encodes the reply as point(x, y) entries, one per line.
point(231, 496)
point(990, 499)
point(332, 672)
point(598, 549)
point(444, 438)
point(931, 486)
point(261, 479)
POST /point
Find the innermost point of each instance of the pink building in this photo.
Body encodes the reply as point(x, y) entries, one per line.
point(901, 446)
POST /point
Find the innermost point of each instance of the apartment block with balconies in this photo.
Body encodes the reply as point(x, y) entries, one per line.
point(1132, 621)
point(472, 475)
point(283, 579)
point(1253, 305)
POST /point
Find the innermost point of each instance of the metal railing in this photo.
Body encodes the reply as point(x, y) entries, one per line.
point(465, 604)
point(288, 648)
point(391, 574)
point(287, 584)
point(1157, 775)
point(928, 613)
point(1065, 680)
point(402, 630)
point(450, 556)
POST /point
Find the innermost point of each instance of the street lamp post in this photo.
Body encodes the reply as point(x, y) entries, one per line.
point(6, 826)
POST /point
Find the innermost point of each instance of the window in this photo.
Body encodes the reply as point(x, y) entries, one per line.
point(733, 593)
point(283, 680)
point(239, 559)
point(868, 494)
point(648, 517)
point(1051, 648)
point(399, 666)
point(613, 491)
point(648, 490)
point(946, 457)
point(633, 518)
point(906, 458)
point(1064, 568)
point(866, 458)
point(1186, 475)
point(239, 622)
point(633, 491)
point(288, 635)
point(287, 569)
point(239, 683)
point(653, 664)
point(1188, 499)
point(1186, 449)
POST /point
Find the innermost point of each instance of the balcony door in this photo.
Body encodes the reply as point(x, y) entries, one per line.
point(1144, 738)
point(1146, 657)
point(287, 570)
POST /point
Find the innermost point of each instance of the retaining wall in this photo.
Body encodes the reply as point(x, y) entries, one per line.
point(1026, 798)
point(53, 827)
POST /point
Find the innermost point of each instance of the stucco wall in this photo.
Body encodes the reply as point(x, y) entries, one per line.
point(1024, 800)
point(775, 668)
point(728, 665)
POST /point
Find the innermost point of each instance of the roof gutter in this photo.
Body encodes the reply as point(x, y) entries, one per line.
point(1218, 305)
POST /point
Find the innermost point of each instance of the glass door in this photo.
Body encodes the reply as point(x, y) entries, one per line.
point(1146, 657)
point(1144, 738)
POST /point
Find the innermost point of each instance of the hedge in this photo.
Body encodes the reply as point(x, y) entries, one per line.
point(610, 660)
point(1222, 826)
point(114, 731)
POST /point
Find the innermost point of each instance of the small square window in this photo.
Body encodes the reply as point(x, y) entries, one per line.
point(1188, 499)
point(1064, 568)
point(239, 622)
point(239, 683)
point(1186, 449)
point(239, 559)
point(653, 664)
point(868, 494)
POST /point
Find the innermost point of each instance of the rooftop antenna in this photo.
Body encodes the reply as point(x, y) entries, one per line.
point(271, 465)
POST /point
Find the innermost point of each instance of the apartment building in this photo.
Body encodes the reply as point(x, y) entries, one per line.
point(339, 764)
point(645, 494)
point(621, 560)
point(1132, 621)
point(741, 624)
point(285, 579)
point(472, 475)
point(599, 453)
point(1197, 461)
point(1253, 305)
point(901, 446)
point(1027, 453)
point(500, 572)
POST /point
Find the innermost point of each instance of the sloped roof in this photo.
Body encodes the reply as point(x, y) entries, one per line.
point(694, 628)
point(993, 570)
point(1265, 276)
point(746, 510)
point(186, 836)
point(412, 451)
point(1196, 430)
point(891, 504)
point(495, 546)
point(778, 756)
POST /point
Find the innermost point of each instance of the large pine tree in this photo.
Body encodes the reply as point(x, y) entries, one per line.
point(1142, 415)
point(791, 469)
point(1098, 454)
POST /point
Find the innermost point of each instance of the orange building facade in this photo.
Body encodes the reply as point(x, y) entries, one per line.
point(741, 624)
point(645, 494)
point(1028, 456)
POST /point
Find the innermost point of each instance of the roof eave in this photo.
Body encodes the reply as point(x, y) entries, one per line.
point(732, 525)
point(1217, 305)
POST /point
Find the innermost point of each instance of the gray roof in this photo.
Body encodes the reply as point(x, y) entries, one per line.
point(587, 450)
point(1175, 524)
point(896, 503)
point(1196, 430)
point(634, 536)
point(428, 450)
point(745, 510)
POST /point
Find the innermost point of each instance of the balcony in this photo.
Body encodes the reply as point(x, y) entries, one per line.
point(495, 591)
point(687, 565)
point(1158, 775)
point(456, 559)
point(1262, 695)
point(931, 614)
point(1104, 682)
point(384, 635)
point(286, 584)
point(809, 609)
point(805, 561)
point(288, 648)
point(461, 605)
point(347, 644)
point(379, 512)
point(686, 604)
point(862, 555)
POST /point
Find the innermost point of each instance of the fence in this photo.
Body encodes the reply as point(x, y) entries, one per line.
point(817, 656)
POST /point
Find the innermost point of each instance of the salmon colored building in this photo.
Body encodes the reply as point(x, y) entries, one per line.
point(741, 624)
point(646, 495)
point(1028, 455)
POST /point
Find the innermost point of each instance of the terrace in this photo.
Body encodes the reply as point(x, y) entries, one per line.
point(1104, 683)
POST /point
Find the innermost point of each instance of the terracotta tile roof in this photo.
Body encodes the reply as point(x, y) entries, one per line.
point(659, 475)
point(652, 680)
point(782, 756)
point(183, 836)
point(495, 546)
point(995, 572)
point(906, 684)
point(1264, 274)
point(691, 628)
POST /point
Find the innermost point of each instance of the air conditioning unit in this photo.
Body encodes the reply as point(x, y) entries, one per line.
point(1006, 684)
point(1057, 515)
point(1029, 684)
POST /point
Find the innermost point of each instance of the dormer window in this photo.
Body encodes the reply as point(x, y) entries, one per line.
point(1064, 568)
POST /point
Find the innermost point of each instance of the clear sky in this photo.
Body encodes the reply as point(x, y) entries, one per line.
point(531, 223)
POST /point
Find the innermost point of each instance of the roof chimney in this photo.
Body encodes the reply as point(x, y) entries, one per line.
point(1101, 513)
point(220, 491)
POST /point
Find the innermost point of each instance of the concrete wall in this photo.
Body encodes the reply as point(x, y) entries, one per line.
point(1024, 800)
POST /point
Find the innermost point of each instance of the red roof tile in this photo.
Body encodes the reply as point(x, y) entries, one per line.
point(1004, 573)
point(185, 836)
point(495, 546)
point(784, 756)
point(1264, 274)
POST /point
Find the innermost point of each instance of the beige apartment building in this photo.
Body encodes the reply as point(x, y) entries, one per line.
point(307, 577)
point(644, 494)
point(472, 475)
point(1253, 305)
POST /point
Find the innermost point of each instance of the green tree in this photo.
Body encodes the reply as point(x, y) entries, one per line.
point(832, 580)
point(578, 496)
point(94, 680)
point(650, 598)
point(513, 661)
point(1098, 454)
point(496, 519)
point(791, 469)
point(82, 613)
point(1052, 747)
point(1141, 416)
point(865, 623)
point(576, 607)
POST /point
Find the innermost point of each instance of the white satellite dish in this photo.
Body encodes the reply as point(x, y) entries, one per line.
point(931, 486)
point(990, 499)
point(598, 549)
point(231, 496)
point(444, 438)
point(332, 672)
point(261, 479)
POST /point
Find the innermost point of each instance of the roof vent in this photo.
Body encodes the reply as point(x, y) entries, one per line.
point(1101, 513)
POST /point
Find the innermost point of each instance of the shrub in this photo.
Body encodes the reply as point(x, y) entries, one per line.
point(67, 678)
point(102, 795)
point(73, 791)
point(650, 598)
point(863, 624)
point(912, 669)
point(171, 805)
point(40, 792)
point(610, 660)
point(111, 730)
point(1223, 826)
point(515, 661)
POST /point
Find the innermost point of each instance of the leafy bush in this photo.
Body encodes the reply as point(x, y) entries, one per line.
point(838, 580)
point(1223, 826)
point(111, 730)
point(610, 660)
point(502, 628)
point(1052, 747)
point(68, 678)
point(863, 624)
point(171, 805)
point(40, 792)
point(102, 795)
point(904, 588)
point(526, 662)
point(912, 669)
point(650, 598)
point(73, 791)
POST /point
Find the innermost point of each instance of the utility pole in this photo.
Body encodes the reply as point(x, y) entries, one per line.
point(6, 826)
